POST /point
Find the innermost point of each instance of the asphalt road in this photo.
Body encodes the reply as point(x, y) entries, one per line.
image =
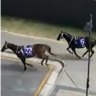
point(76, 68)
point(16, 82)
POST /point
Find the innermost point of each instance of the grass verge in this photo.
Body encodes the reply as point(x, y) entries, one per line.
point(37, 28)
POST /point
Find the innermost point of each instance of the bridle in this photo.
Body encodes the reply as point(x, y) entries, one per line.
point(17, 50)
point(71, 40)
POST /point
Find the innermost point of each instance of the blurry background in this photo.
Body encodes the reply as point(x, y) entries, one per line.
point(74, 13)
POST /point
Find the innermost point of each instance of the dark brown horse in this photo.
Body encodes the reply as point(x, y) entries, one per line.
point(28, 51)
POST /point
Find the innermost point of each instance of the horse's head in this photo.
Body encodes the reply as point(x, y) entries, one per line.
point(4, 46)
point(63, 35)
point(60, 36)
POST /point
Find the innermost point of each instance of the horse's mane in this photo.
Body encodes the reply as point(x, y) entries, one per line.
point(12, 44)
point(66, 33)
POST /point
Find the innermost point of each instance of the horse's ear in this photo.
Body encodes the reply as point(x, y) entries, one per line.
point(61, 31)
point(6, 42)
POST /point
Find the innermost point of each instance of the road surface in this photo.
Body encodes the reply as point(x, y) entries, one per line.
point(73, 77)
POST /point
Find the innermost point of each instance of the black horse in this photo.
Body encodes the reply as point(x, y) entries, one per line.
point(77, 42)
point(28, 51)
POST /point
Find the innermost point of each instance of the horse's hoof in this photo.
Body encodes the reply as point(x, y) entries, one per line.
point(80, 58)
point(55, 55)
point(71, 53)
point(24, 69)
point(82, 55)
point(46, 64)
point(31, 65)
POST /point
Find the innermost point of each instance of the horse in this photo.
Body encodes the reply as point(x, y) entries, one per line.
point(29, 51)
point(78, 42)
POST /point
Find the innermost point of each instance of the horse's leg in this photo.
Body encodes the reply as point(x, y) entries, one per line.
point(49, 50)
point(42, 61)
point(75, 53)
point(85, 53)
point(92, 52)
point(69, 51)
point(47, 57)
point(23, 61)
point(29, 65)
point(44, 57)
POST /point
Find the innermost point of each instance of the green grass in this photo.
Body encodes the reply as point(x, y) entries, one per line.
point(37, 28)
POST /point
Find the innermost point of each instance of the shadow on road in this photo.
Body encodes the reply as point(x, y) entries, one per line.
point(70, 57)
point(58, 87)
point(17, 67)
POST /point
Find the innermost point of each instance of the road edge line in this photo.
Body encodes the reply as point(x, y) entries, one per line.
point(43, 82)
point(49, 80)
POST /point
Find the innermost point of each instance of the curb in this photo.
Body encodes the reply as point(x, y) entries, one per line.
point(43, 82)
point(34, 37)
point(46, 85)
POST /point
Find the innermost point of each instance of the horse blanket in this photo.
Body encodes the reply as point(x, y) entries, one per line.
point(80, 42)
point(26, 51)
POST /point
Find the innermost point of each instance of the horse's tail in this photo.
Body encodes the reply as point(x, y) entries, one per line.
point(95, 41)
point(49, 50)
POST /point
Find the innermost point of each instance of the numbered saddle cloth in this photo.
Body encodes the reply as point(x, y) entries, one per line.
point(27, 51)
point(80, 42)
